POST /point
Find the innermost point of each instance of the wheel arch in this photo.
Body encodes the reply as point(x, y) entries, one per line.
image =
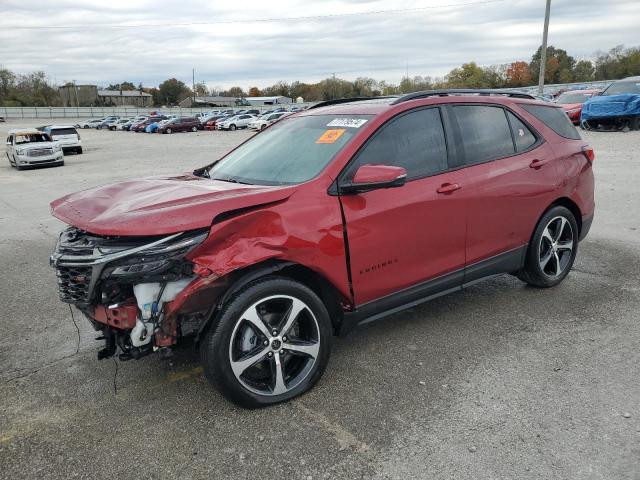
point(569, 205)
point(238, 279)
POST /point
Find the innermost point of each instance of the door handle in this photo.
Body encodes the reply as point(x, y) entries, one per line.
point(537, 163)
point(448, 188)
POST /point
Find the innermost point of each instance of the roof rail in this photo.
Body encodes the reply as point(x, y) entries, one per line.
point(470, 91)
point(338, 101)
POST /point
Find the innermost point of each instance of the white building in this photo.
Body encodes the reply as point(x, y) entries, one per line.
point(267, 100)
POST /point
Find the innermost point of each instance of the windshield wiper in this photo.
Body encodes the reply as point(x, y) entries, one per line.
point(230, 179)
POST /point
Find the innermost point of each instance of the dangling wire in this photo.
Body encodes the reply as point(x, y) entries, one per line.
point(77, 329)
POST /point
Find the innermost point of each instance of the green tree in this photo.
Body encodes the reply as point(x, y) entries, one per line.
point(172, 91)
point(469, 75)
point(583, 71)
point(559, 66)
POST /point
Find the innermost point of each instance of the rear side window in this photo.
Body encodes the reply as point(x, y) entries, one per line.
point(555, 119)
point(63, 131)
point(521, 134)
point(414, 141)
point(485, 133)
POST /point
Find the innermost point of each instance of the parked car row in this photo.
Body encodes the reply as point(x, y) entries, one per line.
point(225, 119)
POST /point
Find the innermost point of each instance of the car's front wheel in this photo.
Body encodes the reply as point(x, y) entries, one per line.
point(271, 342)
point(232, 127)
point(552, 250)
point(194, 129)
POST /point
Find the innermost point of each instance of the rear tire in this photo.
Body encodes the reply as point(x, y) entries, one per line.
point(259, 353)
point(552, 249)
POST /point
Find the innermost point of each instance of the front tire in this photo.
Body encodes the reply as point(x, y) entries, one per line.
point(271, 342)
point(552, 250)
point(194, 129)
point(232, 127)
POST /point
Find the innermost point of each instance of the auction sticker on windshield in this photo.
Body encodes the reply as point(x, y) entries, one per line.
point(347, 122)
point(330, 136)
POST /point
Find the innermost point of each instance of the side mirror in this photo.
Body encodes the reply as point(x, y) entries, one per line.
point(373, 177)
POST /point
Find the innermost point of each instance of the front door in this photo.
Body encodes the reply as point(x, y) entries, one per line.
point(401, 237)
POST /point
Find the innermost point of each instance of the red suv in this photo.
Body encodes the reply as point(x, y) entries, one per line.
point(181, 124)
point(331, 218)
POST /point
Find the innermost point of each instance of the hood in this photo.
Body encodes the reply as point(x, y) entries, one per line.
point(159, 205)
point(611, 106)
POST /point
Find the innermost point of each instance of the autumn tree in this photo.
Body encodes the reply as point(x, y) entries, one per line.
point(254, 92)
point(518, 74)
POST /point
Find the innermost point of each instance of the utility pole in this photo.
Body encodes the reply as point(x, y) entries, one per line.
point(193, 82)
point(75, 88)
point(543, 52)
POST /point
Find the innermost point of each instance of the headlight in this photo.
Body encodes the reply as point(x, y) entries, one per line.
point(21, 152)
point(56, 148)
point(572, 111)
point(157, 258)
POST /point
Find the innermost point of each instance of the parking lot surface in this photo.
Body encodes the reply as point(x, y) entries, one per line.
point(501, 381)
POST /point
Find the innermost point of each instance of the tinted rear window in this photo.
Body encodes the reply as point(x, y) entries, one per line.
point(555, 119)
point(485, 133)
point(63, 131)
point(521, 133)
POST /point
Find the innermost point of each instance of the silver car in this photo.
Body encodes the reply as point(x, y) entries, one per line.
point(31, 148)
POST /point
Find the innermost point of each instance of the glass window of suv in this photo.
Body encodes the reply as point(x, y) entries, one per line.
point(291, 151)
point(555, 119)
point(521, 133)
point(414, 141)
point(485, 133)
point(63, 131)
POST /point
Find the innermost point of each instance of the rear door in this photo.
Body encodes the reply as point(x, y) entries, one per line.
point(511, 179)
point(401, 237)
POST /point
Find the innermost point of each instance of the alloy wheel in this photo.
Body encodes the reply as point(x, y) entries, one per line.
point(274, 345)
point(556, 246)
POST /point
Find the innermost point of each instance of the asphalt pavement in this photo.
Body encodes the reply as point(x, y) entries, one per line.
point(500, 381)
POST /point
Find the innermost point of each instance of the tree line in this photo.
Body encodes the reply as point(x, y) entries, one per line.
point(35, 89)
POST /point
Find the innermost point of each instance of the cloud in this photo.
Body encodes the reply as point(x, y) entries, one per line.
point(432, 41)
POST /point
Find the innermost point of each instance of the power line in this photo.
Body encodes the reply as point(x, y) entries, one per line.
point(259, 20)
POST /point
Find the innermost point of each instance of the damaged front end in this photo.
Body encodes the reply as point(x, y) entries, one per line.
point(124, 284)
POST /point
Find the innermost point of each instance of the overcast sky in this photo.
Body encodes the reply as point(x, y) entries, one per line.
point(168, 38)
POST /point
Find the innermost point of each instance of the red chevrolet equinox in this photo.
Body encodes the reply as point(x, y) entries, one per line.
point(328, 219)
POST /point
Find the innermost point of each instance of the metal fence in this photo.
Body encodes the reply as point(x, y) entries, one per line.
point(99, 112)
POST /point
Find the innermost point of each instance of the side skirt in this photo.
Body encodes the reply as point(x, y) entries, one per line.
point(506, 262)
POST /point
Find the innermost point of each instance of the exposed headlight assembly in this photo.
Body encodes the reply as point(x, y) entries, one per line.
point(152, 259)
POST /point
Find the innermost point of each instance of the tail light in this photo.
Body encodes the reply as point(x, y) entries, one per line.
point(588, 153)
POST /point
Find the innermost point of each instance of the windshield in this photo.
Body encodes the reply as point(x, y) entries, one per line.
point(617, 88)
point(567, 98)
point(21, 139)
point(292, 151)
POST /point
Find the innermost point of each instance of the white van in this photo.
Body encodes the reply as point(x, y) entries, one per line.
point(66, 136)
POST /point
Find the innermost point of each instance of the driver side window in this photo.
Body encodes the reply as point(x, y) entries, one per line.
point(414, 141)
